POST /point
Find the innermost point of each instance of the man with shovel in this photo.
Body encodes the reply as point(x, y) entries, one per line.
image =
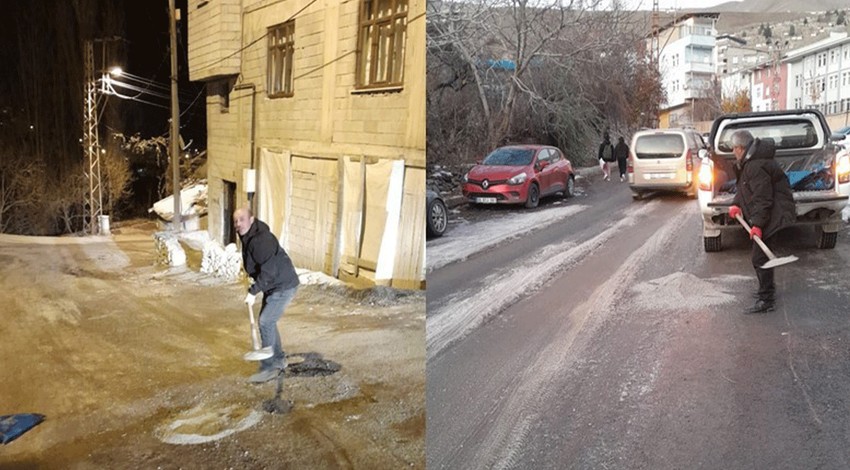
point(269, 266)
point(764, 199)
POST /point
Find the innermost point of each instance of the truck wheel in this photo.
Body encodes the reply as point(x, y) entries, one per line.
point(712, 244)
point(827, 240)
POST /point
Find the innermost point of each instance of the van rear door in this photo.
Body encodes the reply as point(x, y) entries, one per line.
point(659, 158)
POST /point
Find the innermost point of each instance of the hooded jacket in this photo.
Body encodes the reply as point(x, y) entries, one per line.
point(764, 193)
point(266, 261)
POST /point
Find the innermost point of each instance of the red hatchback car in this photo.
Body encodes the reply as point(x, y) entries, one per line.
point(519, 174)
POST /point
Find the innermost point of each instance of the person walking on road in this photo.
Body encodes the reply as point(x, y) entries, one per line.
point(606, 156)
point(621, 152)
point(269, 266)
point(765, 201)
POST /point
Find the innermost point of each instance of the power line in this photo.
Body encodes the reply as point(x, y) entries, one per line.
point(255, 41)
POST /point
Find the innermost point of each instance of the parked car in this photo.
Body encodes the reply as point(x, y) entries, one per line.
point(664, 160)
point(519, 174)
point(436, 215)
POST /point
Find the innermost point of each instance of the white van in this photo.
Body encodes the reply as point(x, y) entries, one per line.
point(664, 160)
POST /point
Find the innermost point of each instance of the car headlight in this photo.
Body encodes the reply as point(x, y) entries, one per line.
point(518, 179)
point(466, 177)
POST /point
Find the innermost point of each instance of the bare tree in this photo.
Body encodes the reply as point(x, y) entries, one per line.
point(542, 70)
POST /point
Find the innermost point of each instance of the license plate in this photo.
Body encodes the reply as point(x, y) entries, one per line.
point(662, 176)
point(485, 200)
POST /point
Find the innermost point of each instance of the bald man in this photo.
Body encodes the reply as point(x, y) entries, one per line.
point(274, 275)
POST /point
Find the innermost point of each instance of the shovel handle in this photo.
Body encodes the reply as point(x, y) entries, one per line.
point(255, 340)
point(756, 238)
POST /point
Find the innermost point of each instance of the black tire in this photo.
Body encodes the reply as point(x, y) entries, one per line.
point(533, 196)
point(570, 188)
point(637, 195)
point(827, 240)
point(712, 244)
point(437, 218)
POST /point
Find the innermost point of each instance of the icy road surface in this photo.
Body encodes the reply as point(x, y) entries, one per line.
point(610, 339)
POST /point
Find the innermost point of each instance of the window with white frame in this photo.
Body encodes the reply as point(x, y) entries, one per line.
point(281, 49)
point(797, 80)
point(845, 79)
point(833, 56)
point(798, 103)
point(382, 38)
point(832, 107)
point(833, 81)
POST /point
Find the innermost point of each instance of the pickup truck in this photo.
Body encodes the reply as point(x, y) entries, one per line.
point(817, 168)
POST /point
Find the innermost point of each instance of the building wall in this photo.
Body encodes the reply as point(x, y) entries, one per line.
point(324, 121)
point(686, 60)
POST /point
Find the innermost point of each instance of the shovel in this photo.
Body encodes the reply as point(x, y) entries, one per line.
point(774, 261)
point(257, 354)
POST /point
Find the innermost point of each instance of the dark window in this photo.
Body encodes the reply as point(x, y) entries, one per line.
point(281, 48)
point(659, 146)
point(381, 42)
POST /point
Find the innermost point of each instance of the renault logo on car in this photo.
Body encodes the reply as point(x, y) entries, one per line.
point(485, 184)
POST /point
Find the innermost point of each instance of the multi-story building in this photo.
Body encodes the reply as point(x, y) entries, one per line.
point(769, 91)
point(813, 76)
point(316, 119)
point(819, 75)
point(686, 63)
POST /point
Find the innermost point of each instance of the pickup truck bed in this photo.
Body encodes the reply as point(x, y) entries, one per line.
point(819, 183)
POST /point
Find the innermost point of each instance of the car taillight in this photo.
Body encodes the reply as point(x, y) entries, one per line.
point(842, 168)
point(689, 161)
point(706, 175)
point(631, 164)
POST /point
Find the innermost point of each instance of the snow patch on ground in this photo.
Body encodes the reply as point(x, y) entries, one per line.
point(684, 291)
point(463, 312)
point(308, 277)
point(845, 214)
point(467, 239)
point(204, 424)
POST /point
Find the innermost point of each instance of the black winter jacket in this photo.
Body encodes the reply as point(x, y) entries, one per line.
point(606, 151)
point(621, 151)
point(266, 261)
point(764, 193)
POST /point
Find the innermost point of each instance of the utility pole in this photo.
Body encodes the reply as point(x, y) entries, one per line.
point(175, 119)
point(93, 199)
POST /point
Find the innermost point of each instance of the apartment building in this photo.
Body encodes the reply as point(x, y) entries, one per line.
point(686, 60)
point(316, 119)
point(820, 75)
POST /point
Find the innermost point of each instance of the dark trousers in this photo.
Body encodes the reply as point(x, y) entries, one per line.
point(622, 164)
point(767, 288)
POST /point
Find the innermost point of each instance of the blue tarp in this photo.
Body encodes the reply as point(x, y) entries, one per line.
point(13, 426)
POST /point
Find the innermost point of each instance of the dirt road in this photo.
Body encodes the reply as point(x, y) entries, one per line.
point(123, 357)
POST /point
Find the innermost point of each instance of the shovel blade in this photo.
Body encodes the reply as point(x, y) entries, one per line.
point(776, 262)
point(259, 354)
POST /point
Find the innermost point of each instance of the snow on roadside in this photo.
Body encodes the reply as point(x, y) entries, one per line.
point(308, 277)
point(463, 312)
point(845, 214)
point(467, 239)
